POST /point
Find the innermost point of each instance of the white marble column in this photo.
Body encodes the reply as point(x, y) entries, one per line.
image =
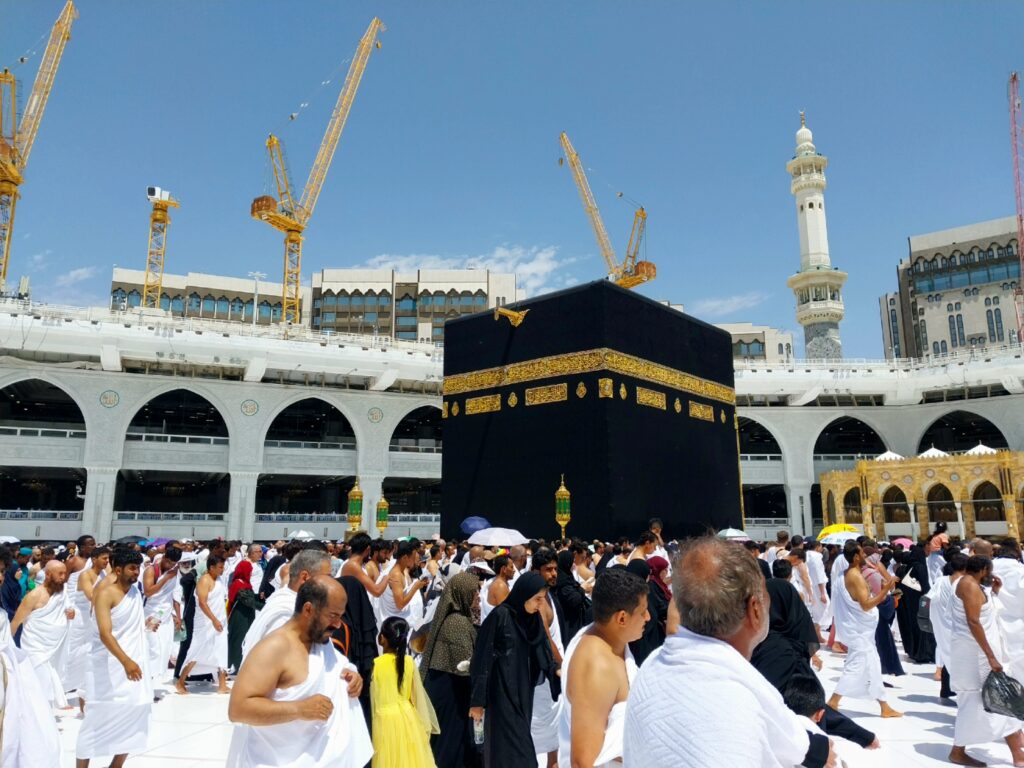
point(241, 520)
point(372, 485)
point(798, 507)
point(98, 510)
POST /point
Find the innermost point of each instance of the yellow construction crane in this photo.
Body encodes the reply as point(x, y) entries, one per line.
point(159, 221)
point(630, 272)
point(283, 213)
point(16, 140)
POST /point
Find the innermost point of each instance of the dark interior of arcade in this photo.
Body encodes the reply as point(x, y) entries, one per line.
point(42, 488)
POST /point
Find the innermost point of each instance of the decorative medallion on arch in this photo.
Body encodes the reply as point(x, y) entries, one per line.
point(249, 407)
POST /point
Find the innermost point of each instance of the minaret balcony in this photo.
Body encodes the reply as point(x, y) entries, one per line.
point(828, 311)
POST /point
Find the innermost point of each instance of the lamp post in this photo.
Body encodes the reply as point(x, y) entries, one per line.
point(562, 505)
point(256, 277)
point(355, 507)
point(382, 515)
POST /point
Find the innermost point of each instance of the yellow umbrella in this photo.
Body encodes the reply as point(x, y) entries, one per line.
point(837, 528)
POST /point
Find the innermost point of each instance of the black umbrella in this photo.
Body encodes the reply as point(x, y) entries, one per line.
point(130, 540)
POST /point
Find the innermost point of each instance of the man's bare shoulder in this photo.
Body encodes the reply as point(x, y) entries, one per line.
point(597, 654)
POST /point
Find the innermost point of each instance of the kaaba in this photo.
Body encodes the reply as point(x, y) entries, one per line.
point(629, 400)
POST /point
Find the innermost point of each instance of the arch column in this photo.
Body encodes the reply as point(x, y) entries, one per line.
point(372, 485)
point(923, 519)
point(241, 520)
point(966, 514)
point(98, 509)
point(798, 507)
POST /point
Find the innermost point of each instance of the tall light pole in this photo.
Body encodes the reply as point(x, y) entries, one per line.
point(256, 277)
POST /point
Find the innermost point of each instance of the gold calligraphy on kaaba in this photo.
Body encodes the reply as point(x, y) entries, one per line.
point(455, 409)
point(513, 401)
point(484, 404)
point(581, 390)
point(553, 393)
point(605, 388)
point(590, 361)
point(650, 398)
point(702, 411)
point(444, 410)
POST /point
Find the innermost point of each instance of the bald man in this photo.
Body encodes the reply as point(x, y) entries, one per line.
point(295, 699)
point(46, 615)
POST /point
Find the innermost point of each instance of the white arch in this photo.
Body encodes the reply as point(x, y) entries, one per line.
point(951, 411)
point(298, 397)
point(767, 429)
point(866, 422)
point(169, 387)
point(20, 376)
point(411, 411)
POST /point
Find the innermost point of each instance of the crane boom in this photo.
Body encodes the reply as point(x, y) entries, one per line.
point(283, 213)
point(322, 163)
point(590, 207)
point(16, 140)
point(36, 104)
point(1018, 188)
point(159, 221)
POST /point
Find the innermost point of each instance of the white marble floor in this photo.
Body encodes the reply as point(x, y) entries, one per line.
point(193, 731)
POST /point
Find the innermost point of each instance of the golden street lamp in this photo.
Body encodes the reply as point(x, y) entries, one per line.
point(562, 504)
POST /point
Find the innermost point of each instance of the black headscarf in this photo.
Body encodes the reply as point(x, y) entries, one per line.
point(639, 568)
point(565, 563)
point(530, 624)
point(362, 626)
point(790, 617)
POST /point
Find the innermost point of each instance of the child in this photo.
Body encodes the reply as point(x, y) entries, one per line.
point(403, 717)
point(805, 696)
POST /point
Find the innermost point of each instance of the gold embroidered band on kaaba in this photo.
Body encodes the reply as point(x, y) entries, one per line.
point(589, 361)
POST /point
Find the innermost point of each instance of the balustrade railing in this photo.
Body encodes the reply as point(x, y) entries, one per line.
point(77, 434)
point(38, 514)
point(161, 438)
point(193, 517)
point(344, 445)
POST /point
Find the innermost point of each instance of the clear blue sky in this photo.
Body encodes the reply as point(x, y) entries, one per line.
point(451, 149)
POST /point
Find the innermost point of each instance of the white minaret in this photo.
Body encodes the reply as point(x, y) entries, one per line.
point(817, 286)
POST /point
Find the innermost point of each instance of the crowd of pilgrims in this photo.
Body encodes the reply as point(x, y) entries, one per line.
point(441, 653)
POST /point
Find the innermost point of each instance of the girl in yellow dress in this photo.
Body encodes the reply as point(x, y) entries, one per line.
point(403, 718)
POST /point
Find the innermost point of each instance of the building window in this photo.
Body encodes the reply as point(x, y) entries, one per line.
point(995, 301)
point(357, 303)
point(237, 306)
point(405, 322)
point(943, 348)
point(134, 298)
point(407, 303)
point(209, 305)
point(178, 304)
point(248, 310)
point(222, 305)
point(999, 324)
point(370, 302)
point(949, 307)
point(952, 331)
point(958, 306)
point(780, 349)
point(935, 347)
point(991, 325)
point(960, 329)
point(384, 300)
point(988, 302)
point(329, 317)
point(330, 301)
point(265, 312)
point(342, 303)
point(118, 299)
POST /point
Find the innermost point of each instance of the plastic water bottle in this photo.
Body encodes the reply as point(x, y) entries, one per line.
point(478, 731)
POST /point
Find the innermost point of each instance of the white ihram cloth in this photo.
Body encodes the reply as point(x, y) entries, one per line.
point(80, 634)
point(42, 638)
point(855, 628)
point(341, 741)
point(30, 736)
point(485, 604)
point(690, 697)
point(1011, 608)
point(209, 649)
point(940, 612)
point(544, 721)
point(413, 610)
point(160, 608)
point(118, 710)
point(816, 570)
point(968, 669)
point(275, 613)
point(614, 731)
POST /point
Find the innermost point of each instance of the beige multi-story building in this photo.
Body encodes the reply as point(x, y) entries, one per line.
point(956, 291)
point(759, 342)
point(404, 305)
point(196, 294)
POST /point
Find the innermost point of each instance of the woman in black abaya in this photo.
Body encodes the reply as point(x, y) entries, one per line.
point(787, 651)
point(512, 655)
point(919, 646)
point(573, 603)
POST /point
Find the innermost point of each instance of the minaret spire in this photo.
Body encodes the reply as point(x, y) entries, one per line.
point(817, 285)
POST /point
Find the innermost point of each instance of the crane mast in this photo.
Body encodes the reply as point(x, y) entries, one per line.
point(1016, 140)
point(630, 272)
point(283, 213)
point(159, 221)
point(16, 140)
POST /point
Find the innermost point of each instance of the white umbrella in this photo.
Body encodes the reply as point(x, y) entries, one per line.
point(840, 538)
point(300, 536)
point(733, 533)
point(9, 540)
point(498, 537)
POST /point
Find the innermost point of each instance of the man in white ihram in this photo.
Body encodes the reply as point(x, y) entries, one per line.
point(856, 617)
point(691, 697)
point(46, 614)
point(290, 699)
point(281, 605)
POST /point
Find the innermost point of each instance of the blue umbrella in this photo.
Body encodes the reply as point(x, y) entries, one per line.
point(473, 524)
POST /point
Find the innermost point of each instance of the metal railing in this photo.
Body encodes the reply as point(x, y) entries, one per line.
point(399, 448)
point(339, 446)
point(195, 517)
point(993, 353)
point(158, 438)
point(78, 434)
point(298, 517)
point(761, 457)
point(38, 514)
point(842, 456)
point(146, 318)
